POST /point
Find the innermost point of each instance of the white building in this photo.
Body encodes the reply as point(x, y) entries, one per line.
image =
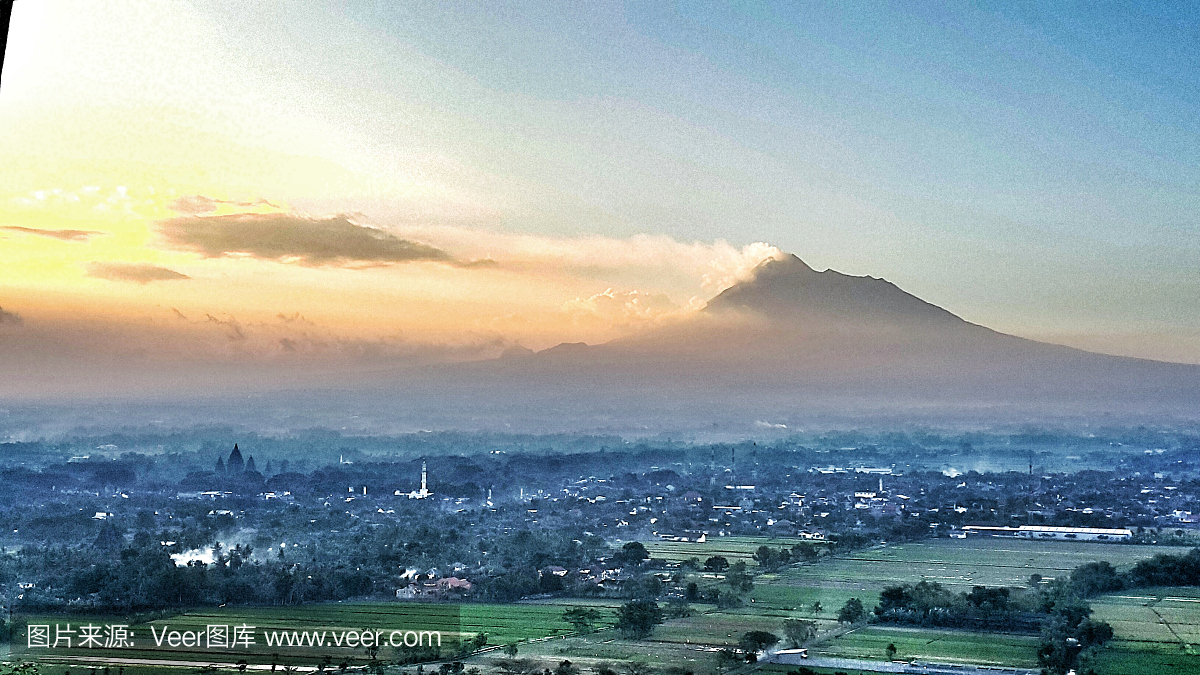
point(1055, 533)
point(424, 492)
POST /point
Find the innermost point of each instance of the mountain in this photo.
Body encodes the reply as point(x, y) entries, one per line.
point(790, 346)
point(789, 290)
point(794, 343)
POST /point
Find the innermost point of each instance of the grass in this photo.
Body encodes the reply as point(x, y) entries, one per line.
point(1156, 630)
point(732, 548)
point(502, 623)
point(947, 646)
point(988, 561)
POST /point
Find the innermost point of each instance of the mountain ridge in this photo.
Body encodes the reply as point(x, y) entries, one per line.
point(792, 344)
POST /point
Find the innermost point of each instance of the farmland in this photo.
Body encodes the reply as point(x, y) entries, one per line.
point(948, 646)
point(502, 624)
point(794, 593)
point(1152, 628)
point(732, 548)
point(965, 563)
point(1156, 630)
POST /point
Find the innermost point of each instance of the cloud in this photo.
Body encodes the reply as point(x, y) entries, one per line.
point(629, 309)
point(233, 328)
point(64, 235)
point(194, 205)
point(656, 261)
point(139, 273)
point(286, 237)
point(10, 318)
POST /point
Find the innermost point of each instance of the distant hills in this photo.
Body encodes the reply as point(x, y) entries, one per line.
point(789, 348)
point(793, 343)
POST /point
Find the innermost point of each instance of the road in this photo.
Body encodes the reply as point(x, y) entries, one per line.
point(915, 668)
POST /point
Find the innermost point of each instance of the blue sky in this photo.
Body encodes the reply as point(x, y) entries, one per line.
point(1055, 143)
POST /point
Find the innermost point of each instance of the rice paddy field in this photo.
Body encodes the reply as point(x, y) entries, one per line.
point(945, 646)
point(501, 623)
point(1157, 630)
point(986, 561)
point(732, 548)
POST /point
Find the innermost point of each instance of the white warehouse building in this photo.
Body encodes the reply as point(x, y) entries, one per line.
point(1061, 533)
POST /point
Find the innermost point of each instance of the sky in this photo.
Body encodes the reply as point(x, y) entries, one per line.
point(343, 184)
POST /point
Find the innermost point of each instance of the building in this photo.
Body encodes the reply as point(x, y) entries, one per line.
point(439, 589)
point(424, 492)
point(1045, 532)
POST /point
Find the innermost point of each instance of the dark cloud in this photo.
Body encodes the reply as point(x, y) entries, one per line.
point(233, 328)
point(194, 205)
point(294, 317)
point(10, 318)
point(65, 235)
point(140, 273)
point(288, 237)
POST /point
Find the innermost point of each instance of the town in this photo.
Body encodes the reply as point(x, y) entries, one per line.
point(148, 524)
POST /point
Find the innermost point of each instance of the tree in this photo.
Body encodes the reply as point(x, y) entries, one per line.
point(767, 558)
point(739, 579)
point(726, 658)
point(637, 618)
point(890, 651)
point(755, 641)
point(799, 631)
point(716, 563)
point(804, 551)
point(817, 607)
point(1094, 578)
point(633, 553)
point(852, 611)
point(510, 650)
point(583, 619)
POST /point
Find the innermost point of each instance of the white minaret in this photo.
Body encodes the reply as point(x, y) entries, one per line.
point(424, 478)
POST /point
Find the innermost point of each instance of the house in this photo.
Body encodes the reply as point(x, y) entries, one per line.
point(440, 589)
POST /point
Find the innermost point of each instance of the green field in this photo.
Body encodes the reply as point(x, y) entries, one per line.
point(1156, 630)
point(732, 548)
point(947, 646)
point(990, 561)
point(502, 623)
